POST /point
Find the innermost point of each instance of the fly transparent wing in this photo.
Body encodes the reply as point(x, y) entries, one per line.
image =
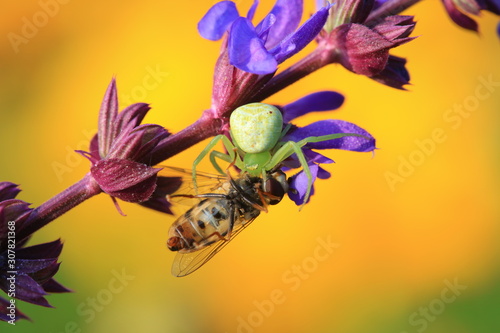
point(206, 182)
point(187, 263)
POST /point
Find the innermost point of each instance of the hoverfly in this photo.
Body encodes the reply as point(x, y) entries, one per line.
point(230, 206)
point(258, 150)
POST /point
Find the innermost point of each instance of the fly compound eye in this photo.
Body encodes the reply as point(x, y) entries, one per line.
point(175, 243)
point(256, 127)
point(274, 189)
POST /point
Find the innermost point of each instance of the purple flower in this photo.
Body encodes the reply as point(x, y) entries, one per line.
point(259, 49)
point(363, 47)
point(120, 151)
point(460, 11)
point(26, 273)
point(320, 101)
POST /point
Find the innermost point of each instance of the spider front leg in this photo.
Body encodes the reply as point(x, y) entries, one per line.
point(230, 157)
point(290, 147)
point(286, 151)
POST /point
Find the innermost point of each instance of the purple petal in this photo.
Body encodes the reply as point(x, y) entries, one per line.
point(93, 149)
point(12, 210)
point(498, 29)
point(52, 286)
point(363, 51)
point(264, 27)
point(151, 135)
point(217, 20)
point(28, 290)
point(127, 180)
point(288, 14)
point(303, 36)
point(329, 126)
point(311, 157)
point(34, 265)
point(137, 193)
point(107, 117)
point(299, 183)
point(45, 274)
point(138, 143)
point(251, 11)
point(247, 51)
point(351, 11)
point(395, 27)
point(164, 186)
point(458, 17)
point(134, 114)
point(320, 3)
point(159, 204)
point(492, 6)
point(316, 102)
point(395, 74)
point(470, 6)
point(315, 157)
point(323, 174)
point(49, 250)
point(8, 190)
point(4, 311)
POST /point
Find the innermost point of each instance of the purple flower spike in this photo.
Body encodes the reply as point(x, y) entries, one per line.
point(32, 269)
point(362, 45)
point(122, 147)
point(315, 102)
point(366, 50)
point(459, 11)
point(330, 126)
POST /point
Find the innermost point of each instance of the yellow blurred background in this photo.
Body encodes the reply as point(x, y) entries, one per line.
point(406, 241)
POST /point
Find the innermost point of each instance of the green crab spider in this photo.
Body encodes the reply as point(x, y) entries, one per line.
point(256, 130)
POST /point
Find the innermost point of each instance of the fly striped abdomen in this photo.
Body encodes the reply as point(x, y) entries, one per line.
point(200, 226)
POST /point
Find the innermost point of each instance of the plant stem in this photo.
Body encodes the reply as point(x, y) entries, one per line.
point(315, 60)
point(60, 204)
point(205, 127)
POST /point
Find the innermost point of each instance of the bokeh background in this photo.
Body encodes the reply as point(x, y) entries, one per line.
point(420, 253)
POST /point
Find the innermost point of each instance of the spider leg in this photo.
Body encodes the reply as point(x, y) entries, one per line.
point(287, 150)
point(213, 154)
point(217, 154)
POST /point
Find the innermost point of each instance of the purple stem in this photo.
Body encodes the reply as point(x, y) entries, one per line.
point(315, 60)
point(205, 127)
point(60, 204)
point(86, 188)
